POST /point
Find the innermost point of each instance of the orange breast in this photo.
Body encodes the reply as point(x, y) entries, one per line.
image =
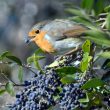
point(44, 44)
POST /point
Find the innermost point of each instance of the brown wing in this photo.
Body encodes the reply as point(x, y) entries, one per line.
point(75, 31)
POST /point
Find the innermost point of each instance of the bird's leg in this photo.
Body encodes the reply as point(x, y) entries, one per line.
point(70, 52)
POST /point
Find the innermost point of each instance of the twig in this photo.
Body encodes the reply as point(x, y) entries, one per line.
point(92, 53)
point(1, 62)
point(29, 68)
point(103, 25)
point(8, 78)
point(13, 85)
point(100, 19)
point(23, 65)
point(103, 14)
point(100, 15)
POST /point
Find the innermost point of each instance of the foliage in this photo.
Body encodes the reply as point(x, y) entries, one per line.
point(81, 81)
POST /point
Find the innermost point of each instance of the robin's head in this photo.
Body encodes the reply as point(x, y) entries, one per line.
point(35, 35)
point(35, 32)
point(32, 35)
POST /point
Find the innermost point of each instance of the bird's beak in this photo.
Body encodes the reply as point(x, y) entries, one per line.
point(28, 40)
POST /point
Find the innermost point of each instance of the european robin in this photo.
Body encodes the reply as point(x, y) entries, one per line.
point(58, 36)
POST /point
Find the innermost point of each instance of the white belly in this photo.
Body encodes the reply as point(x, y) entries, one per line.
point(65, 45)
point(68, 44)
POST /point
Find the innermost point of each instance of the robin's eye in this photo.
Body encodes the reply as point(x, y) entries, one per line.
point(37, 31)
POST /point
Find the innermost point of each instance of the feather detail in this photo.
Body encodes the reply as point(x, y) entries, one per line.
point(43, 43)
point(75, 31)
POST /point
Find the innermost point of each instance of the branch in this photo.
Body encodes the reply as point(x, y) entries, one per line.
point(23, 65)
point(29, 68)
point(13, 85)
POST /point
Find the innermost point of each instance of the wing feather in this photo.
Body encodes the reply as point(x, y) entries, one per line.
point(75, 31)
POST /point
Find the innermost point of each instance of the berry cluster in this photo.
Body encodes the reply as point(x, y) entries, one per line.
point(39, 92)
point(107, 100)
point(69, 98)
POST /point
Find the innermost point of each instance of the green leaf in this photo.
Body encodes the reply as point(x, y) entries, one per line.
point(98, 37)
point(56, 98)
point(32, 58)
point(107, 8)
point(108, 22)
point(4, 54)
point(67, 70)
point(83, 21)
point(85, 56)
point(38, 51)
point(54, 64)
point(35, 59)
point(11, 57)
point(98, 6)
point(20, 74)
point(105, 54)
point(2, 91)
point(39, 57)
point(84, 66)
point(108, 65)
point(93, 83)
point(68, 79)
point(77, 12)
point(10, 89)
point(101, 41)
point(36, 63)
point(85, 62)
point(15, 59)
point(87, 4)
point(86, 46)
point(84, 100)
point(97, 100)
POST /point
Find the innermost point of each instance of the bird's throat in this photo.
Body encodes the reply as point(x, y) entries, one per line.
point(44, 43)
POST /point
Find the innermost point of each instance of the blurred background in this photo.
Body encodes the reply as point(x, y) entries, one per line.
point(16, 19)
